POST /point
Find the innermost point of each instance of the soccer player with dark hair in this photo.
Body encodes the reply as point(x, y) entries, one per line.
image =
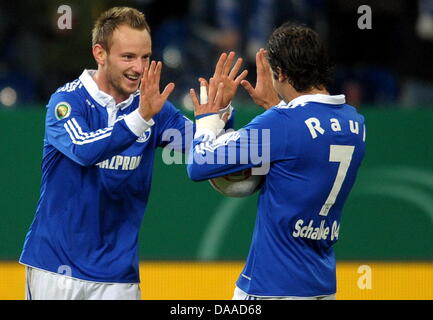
point(314, 143)
point(101, 134)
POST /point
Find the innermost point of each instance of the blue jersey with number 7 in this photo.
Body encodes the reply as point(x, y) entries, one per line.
point(311, 149)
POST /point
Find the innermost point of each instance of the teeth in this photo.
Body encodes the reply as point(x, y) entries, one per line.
point(132, 77)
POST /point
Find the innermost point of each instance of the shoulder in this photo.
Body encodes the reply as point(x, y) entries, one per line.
point(271, 118)
point(289, 111)
point(353, 110)
point(281, 112)
point(69, 87)
point(66, 100)
point(70, 91)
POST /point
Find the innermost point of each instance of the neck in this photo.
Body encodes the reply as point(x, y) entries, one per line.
point(293, 94)
point(104, 85)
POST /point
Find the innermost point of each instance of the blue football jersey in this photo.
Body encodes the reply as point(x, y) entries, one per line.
point(310, 150)
point(96, 177)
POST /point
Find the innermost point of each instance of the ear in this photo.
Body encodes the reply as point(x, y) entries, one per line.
point(282, 77)
point(100, 54)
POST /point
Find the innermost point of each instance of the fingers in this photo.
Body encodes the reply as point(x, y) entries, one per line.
point(148, 78)
point(204, 85)
point(212, 89)
point(203, 92)
point(265, 58)
point(151, 73)
point(264, 61)
point(151, 76)
point(215, 98)
point(263, 67)
point(235, 68)
point(219, 96)
point(150, 81)
point(200, 80)
point(167, 90)
point(144, 80)
point(194, 98)
point(259, 64)
point(207, 90)
point(248, 87)
point(228, 63)
point(220, 65)
point(145, 72)
point(241, 77)
point(224, 64)
point(157, 75)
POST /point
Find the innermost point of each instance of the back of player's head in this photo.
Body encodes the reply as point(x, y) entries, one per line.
point(113, 18)
point(298, 53)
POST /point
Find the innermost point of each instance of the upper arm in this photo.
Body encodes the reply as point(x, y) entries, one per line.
point(68, 130)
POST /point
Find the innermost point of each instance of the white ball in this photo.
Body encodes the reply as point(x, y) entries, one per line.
point(239, 184)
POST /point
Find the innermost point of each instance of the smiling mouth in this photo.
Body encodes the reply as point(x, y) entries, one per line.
point(132, 77)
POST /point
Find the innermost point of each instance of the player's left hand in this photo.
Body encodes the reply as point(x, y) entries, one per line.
point(229, 78)
point(264, 94)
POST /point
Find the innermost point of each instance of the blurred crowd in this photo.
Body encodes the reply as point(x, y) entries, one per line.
point(389, 65)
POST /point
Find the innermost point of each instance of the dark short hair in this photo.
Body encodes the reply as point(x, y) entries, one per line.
point(300, 54)
point(111, 19)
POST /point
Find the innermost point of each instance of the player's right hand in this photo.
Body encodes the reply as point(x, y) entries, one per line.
point(151, 99)
point(214, 93)
point(264, 93)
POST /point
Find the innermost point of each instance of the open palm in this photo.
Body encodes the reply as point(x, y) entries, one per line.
point(264, 93)
point(151, 99)
point(229, 78)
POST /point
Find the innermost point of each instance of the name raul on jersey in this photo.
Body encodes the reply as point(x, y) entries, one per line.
point(321, 232)
point(314, 126)
point(120, 163)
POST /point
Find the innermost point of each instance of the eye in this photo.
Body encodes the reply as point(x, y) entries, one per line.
point(127, 57)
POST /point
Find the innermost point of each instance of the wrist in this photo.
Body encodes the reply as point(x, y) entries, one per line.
point(145, 115)
point(211, 122)
point(199, 116)
point(137, 124)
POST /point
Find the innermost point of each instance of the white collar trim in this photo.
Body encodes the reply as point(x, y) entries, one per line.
point(321, 98)
point(99, 96)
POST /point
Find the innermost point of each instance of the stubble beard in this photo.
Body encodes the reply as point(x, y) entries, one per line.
point(115, 81)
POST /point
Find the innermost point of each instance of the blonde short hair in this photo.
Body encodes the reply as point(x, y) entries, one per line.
point(113, 18)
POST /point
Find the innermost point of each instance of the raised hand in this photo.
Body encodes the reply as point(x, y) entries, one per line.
point(151, 100)
point(229, 78)
point(214, 98)
point(264, 93)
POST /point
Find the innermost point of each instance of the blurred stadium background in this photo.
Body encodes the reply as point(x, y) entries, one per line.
point(193, 241)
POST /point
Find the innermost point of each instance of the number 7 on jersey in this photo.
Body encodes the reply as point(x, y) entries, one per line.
point(343, 155)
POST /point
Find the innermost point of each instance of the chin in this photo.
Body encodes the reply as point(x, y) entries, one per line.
point(129, 90)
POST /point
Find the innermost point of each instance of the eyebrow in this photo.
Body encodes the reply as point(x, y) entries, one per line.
point(133, 54)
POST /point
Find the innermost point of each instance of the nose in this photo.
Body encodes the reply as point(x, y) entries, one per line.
point(138, 66)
